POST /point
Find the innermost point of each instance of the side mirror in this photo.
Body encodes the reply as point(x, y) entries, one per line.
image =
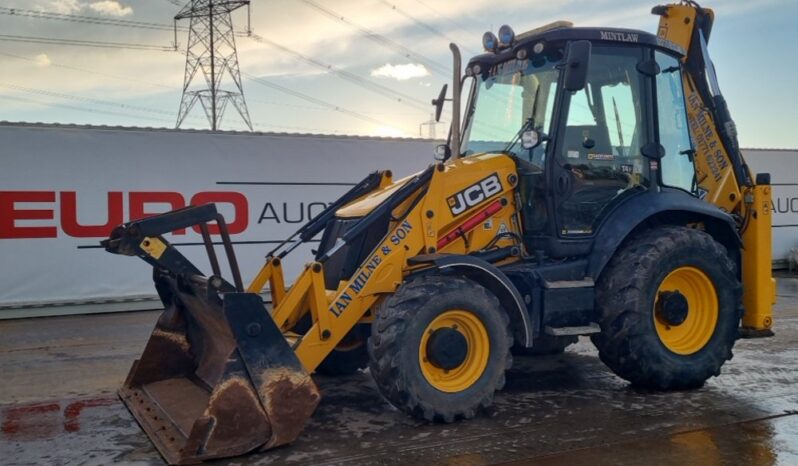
point(438, 103)
point(442, 152)
point(577, 64)
point(530, 139)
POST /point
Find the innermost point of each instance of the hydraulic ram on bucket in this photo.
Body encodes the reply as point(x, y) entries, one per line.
point(217, 377)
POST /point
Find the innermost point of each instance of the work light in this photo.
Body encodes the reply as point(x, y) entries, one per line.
point(490, 42)
point(506, 36)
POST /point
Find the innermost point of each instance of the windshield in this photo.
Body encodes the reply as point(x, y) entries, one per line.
point(516, 95)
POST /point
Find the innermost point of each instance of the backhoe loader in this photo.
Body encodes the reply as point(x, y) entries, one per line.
point(594, 186)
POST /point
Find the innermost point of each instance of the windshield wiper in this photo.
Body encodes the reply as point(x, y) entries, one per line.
point(529, 123)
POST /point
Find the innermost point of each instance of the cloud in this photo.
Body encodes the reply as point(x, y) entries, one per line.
point(42, 60)
point(103, 7)
point(401, 72)
point(64, 6)
point(111, 8)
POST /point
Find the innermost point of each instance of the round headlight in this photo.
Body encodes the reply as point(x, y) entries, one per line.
point(521, 54)
point(538, 48)
point(477, 69)
point(506, 36)
point(490, 42)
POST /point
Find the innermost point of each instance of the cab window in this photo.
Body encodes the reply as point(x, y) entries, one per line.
point(600, 157)
point(674, 134)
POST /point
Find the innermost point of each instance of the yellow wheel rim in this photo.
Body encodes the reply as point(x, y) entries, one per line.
point(694, 333)
point(470, 370)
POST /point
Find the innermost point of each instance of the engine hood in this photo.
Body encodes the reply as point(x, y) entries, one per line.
point(364, 205)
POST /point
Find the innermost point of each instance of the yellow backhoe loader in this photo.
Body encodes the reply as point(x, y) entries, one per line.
point(595, 187)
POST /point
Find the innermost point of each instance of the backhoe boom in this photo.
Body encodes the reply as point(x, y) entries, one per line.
point(722, 176)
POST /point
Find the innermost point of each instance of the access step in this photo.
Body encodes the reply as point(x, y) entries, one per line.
point(566, 284)
point(567, 331)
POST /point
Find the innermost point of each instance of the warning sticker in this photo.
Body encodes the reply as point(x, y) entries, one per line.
point(573, 154)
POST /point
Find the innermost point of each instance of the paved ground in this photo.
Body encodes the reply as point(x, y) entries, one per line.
point(58, 376)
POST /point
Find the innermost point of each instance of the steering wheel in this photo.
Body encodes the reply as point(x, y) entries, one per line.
point(567, 180)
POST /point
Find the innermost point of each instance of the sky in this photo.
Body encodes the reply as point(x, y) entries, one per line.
point(376, 63)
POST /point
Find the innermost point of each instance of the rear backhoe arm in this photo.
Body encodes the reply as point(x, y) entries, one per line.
point(722, 176)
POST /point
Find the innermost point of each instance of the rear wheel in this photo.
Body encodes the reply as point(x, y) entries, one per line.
point(347, 358)
point(670, 309)
point(439, 348)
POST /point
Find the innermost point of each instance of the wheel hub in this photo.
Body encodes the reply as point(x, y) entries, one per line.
point(686, 310)
point(447, 348)
point(672, 307)
point(454, 350)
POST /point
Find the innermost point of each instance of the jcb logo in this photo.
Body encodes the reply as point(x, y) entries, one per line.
point(474, 194)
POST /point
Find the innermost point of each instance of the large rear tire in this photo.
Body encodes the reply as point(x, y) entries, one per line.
point(439, 348)
point(345, 359)
point(670, 306)
point(348, 357)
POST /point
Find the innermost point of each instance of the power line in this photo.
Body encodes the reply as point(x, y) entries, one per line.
point(84, 70)
point(89, 100)
point(103, 44)
point(20, 12)
point(176, 88)
point(314, 100)
point(137, 108)
point(81, 109)
point(83, 43)
point(360, 81)
point(368, 84)
point(438, 13)
point(381, 39)
point(422, 24)
point(467, 31)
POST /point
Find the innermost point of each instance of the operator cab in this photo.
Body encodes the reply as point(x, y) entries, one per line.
point(581, 150)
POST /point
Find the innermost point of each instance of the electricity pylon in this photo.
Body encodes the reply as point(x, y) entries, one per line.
point(211, 49)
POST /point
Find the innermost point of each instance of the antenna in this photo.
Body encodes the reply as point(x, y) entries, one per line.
point(211, 49)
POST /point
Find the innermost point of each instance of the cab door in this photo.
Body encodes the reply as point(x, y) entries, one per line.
point(598, 160)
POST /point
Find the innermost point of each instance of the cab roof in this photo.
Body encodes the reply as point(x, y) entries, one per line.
point(562, 31)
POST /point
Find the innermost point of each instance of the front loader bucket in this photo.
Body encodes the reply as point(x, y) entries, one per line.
point(217, 378)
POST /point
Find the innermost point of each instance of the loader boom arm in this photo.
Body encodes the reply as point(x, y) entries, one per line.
point(722, 176)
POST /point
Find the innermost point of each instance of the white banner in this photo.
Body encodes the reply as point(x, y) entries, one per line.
point(63, 189)
point(783, 168)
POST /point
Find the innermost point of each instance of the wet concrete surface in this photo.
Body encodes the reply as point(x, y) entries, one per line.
point(57, 406)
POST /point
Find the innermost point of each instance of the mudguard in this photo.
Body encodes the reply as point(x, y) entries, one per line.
point(492, 278)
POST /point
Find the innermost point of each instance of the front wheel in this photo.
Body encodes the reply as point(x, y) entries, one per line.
point(439, 348)
point(670, 308)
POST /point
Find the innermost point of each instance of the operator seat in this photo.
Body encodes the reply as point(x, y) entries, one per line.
point(597, 175)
